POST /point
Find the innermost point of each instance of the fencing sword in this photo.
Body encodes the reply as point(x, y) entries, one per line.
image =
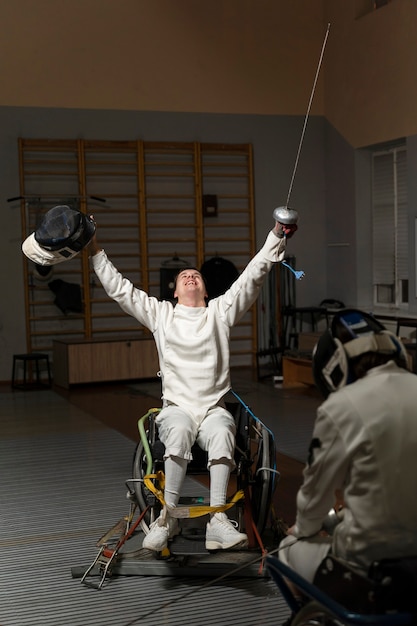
point(284, 214)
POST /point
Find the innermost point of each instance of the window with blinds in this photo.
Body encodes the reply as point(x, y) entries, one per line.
point(389, 227)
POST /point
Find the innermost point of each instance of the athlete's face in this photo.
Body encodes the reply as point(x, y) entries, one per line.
point(190, 283)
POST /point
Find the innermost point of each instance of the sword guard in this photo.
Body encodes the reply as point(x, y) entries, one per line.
point(285, 215)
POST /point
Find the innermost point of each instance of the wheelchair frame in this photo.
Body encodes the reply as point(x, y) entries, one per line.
point(255, 458)
point(321, 609)
point(120, 549)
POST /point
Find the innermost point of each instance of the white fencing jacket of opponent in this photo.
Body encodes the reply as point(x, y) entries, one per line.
point(365, 443)
point(193, 342)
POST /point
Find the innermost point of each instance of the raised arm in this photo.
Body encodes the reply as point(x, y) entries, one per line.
point(234, 303)
point(133, 301)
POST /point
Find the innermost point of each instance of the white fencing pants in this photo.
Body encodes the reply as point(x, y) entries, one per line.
point(178, 432)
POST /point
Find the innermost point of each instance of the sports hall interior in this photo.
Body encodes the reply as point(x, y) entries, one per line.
point(238, 85)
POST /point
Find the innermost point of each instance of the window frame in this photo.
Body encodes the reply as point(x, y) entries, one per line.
point(390, 215)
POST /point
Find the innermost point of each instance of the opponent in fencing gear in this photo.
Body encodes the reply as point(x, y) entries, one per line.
point(352, 334)
point(62, 233)
point(363, 446)
point(192, 337)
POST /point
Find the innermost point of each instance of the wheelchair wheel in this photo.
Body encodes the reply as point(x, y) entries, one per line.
point(264, 479)
point(314, 614)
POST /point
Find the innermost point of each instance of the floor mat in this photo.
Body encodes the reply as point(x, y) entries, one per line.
point(63, 485)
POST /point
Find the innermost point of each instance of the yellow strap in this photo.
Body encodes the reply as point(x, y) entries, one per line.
point(160, 477)
point(185, 511)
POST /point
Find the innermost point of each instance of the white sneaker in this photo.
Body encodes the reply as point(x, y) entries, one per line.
point(160, 531)
point(221, 534)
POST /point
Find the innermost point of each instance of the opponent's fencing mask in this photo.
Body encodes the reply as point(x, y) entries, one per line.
point(351, 334)
point(62, 233)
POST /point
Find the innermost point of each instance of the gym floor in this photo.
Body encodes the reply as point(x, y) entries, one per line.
point(65, 457)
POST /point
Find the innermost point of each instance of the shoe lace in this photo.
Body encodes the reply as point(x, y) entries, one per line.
point(228, 522)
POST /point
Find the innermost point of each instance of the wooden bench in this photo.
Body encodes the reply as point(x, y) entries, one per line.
point(104, 360)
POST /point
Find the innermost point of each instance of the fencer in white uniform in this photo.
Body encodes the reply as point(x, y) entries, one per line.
point(192, 337)
point(363, 446)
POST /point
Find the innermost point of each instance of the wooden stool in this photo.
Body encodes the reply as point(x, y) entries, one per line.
point(36, 358)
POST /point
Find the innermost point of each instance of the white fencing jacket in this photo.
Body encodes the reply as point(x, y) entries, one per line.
point(193, 343)
point(365, 443)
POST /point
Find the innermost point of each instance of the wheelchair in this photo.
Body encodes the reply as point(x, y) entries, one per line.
point(339, 596)
point(254, 478)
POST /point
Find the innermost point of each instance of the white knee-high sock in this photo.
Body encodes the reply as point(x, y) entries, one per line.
point(175, 470)
point(219, 479)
